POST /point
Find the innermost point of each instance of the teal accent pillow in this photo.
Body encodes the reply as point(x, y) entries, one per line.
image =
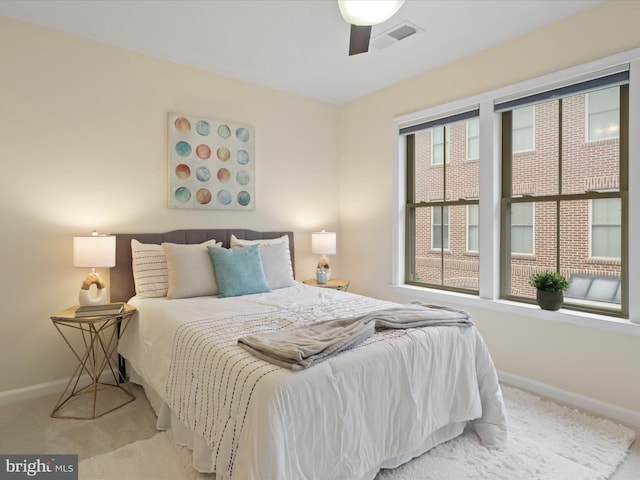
point(238, 271)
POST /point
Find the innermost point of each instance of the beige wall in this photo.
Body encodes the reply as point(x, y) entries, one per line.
point(83, 137)
point(584, 361)
point(83, 146)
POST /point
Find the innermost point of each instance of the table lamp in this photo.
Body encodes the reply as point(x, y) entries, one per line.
point(324, 243)
point(94, 251)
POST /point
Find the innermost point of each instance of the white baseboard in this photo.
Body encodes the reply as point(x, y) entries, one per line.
point(42, 389)
point(630, 417)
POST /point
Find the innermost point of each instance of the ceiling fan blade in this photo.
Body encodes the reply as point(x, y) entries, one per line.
point(359, 39)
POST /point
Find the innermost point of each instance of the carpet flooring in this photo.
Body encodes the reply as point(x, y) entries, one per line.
point(547, 441)
point(26, 428)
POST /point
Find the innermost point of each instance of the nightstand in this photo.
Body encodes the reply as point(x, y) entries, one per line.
point(94, 342)
point(334, 283)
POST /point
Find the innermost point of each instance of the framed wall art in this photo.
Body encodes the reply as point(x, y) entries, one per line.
point(211, 164)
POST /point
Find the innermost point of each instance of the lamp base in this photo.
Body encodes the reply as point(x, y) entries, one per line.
point(324, 264)
point(85, 296)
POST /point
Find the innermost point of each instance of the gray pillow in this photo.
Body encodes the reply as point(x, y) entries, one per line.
point(276, 259)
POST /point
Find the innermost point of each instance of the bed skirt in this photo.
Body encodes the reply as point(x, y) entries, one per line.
point(203, 457)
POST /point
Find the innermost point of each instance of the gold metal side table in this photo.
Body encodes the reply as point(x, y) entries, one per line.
point(100, 335)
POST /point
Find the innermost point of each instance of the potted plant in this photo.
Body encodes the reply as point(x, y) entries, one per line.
point(550, 286)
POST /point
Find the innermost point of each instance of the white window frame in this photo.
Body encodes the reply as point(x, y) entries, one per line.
point(489, 240)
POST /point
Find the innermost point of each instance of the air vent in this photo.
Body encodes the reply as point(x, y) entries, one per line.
point(395, 35)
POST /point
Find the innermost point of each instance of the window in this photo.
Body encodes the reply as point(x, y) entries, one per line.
point(440, 228)
point(548, 198)
point(573, 189)
point(437, 205)
point(606, 225)
point(473, 139)
point(473, 238)
point(439, 147)
point(603, 113)
point(523, 131)
point(522, 228)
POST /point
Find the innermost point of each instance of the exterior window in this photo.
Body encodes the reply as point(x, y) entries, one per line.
point(473, 139)
point(523, 131)
point(440, 228)
point(439, 147)
point(439, 202)
point(563, 184)
point(574, 191)
point(472, 228)
point(522, 228)
point(606, 225)
point(603, 114)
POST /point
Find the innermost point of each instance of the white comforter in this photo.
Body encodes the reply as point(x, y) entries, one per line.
point(393, 397)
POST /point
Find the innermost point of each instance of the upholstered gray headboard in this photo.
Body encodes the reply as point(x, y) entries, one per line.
point(122, 286)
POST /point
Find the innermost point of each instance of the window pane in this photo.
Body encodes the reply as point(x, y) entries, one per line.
point(462, 177)
point(427, 266)
point(472, 228)
point(438, 145)
point(523, 134)
point(522, 227)
point(604, 114)
point(535, 172)
point(440, 227)
point(606, 242)
point(441, 239)
point(606, 228)
point(606, 211)
point(592, 282)
point(473, 138)
point(460, 268)
point(429, 180)
point(544, 239)
point(588, 166)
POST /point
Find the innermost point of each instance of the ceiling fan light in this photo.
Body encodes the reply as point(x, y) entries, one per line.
point(368, 12)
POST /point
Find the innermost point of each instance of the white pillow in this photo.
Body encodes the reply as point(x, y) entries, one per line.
point(190, 270)
point(149, 269)
point(276, 259)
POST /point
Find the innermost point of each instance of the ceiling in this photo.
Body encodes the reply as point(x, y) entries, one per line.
point(298, 46)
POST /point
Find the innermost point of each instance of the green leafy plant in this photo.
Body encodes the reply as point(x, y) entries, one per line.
point(549, 281)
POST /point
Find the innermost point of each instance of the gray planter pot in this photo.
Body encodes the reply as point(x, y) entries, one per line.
point(549, 300)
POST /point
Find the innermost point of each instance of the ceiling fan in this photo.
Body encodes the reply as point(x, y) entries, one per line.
point(362, 15)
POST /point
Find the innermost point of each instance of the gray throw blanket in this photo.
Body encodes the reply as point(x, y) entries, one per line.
point(301, 347)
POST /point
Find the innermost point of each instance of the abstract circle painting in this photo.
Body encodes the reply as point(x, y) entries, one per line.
point(211, 163)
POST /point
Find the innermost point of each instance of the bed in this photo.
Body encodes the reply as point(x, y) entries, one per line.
point(391, 398)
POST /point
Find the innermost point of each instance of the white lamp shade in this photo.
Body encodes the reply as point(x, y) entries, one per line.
point(323, 243)
point(96, 251)
point(368, 12)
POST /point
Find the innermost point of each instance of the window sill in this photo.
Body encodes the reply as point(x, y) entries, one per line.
point(570, 317)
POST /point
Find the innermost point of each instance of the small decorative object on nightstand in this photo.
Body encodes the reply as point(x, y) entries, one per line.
point(100, 335)
point(334, 283)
